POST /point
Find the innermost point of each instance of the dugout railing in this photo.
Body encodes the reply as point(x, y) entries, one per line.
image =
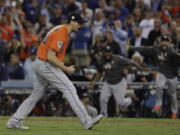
point(26, 86)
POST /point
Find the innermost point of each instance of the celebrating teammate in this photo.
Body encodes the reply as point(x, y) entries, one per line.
point(115, 69)
point(50, 69)
point(166, 58)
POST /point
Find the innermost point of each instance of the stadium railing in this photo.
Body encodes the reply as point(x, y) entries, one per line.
point(26, 86)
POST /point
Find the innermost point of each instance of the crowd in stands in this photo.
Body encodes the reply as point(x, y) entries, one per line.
point(118, 23)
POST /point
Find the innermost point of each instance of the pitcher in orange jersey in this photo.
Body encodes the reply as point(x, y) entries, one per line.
point(49, 68)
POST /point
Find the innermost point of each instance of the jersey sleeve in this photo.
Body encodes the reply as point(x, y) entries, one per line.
point(57, 40)
point(125, 61)
point(144, 50)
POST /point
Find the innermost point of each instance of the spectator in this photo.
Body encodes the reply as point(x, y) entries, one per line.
point(119, 35)
point(155, 33)
point(28, 65)
point(92, 111)
point(29, 38)
point(63, 19)
point(68, 112)
point(13, 103)
point(156, 5)
point(103, 7)
point(57, 13)
point(112, 4)
point(5, 28)
point(42, 24)
point(96, 50)
point(137, 40)
point(142, 4)
point(173, 31)
point(31, 8)
point(29, 35)
point(43, 10)
point(120, 5)
point(15, 69)
point(3, 70)
point(147, 24)
point(72, 6)
point(97, 25)
point(2, 7)
point(166, 13)
point(112, 15)
point(111, 42)
point(128, 25)
point(131, 4)
point(137, 15)
point(2, 45)
point(178, 40)
point(93, 4)
point(13, 46)
point(86, 12)
point(80, 45)
point(165, 30)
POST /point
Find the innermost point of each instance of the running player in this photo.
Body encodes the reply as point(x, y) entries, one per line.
point(166, 59)
point(115, 69)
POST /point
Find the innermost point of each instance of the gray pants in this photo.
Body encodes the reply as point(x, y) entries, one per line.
point(92, 111)
point(48, 74)
point(118, 91)
point(161, 81)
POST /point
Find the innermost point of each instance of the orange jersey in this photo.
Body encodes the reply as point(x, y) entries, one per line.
point(28, 39)
point(7, 32)
point(57, 39)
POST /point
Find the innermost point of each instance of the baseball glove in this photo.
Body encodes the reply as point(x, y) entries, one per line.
point(72, 61)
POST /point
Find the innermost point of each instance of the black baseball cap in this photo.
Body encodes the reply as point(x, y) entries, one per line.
point(77, 17)
point(165, 38)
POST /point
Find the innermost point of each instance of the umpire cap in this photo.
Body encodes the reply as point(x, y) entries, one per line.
point(75, 16)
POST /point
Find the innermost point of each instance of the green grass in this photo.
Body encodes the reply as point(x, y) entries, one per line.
point(108, 126)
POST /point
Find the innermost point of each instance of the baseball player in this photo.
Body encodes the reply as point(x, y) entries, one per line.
point(114, 68)
point(166, 58)
point(50, 70)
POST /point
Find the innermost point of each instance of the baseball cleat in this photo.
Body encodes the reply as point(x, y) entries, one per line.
point(157, 111)
point(174, 116)
point(16, 124)
point(89, 125)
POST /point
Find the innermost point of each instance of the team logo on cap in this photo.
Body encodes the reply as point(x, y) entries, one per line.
point(60, 43)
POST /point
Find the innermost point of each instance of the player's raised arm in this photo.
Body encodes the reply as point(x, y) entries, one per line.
point(127, 61)
point(147, 50)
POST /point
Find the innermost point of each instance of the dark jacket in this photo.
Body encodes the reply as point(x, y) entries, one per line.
point(144, 42)
point(3, 73)
point(153, 35)
point(16, 72)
